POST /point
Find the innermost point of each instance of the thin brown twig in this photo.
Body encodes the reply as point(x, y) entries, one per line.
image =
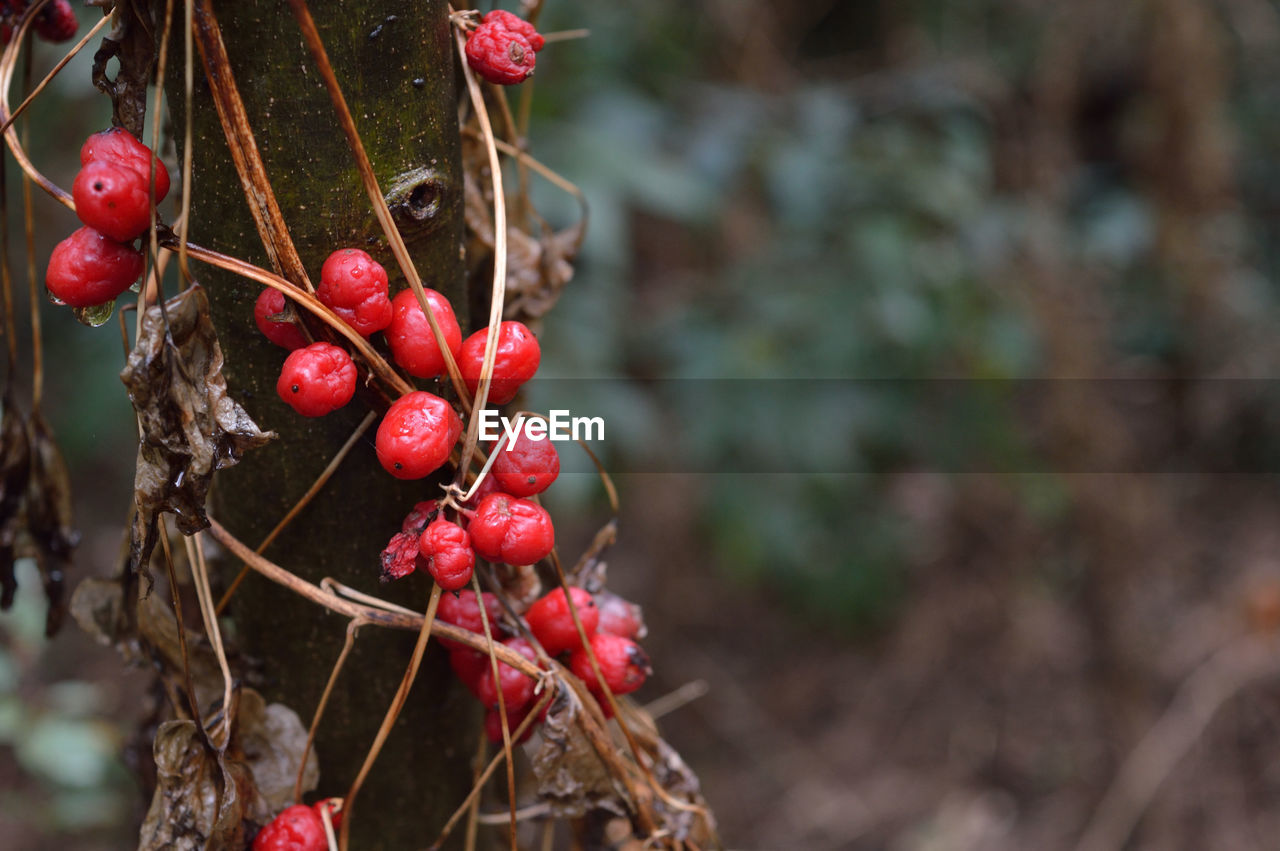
point(204, 595)
point(303, 502)
point(502, 707)
point(393, 712)
point(29, 236)
point(353, 626)
point(48, 78)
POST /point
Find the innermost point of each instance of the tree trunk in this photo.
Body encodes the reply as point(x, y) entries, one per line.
point(394, 62)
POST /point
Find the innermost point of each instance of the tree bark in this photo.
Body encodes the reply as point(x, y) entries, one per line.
point(395, 64)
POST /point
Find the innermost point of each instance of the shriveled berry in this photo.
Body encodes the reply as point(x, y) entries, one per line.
point(515, 531)
point(623, 664)
point(463, 611)
point(515, 363)
point(499, 55)
point(447, 549)
point(120, 147)
point(113, 199)
point(516, 24)
point(297, 828)
point(416, 435)
point(400, 557)
point(57, 22)
point(89, 268)
point(552, 624)
point(270, 317)
point(517, 688)
point(526, 466)
point(419, 516)
point(317, 379)
point(413, 346)
point(619, 616)
point(354, 286)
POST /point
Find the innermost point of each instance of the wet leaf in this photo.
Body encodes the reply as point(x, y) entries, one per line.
point(190, 426)
point(15, 464)
point(132, 43)
point(48, 516)
point(572, 778)
point(201, 797)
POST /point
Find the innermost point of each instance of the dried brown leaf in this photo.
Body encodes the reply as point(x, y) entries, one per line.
point(132, 43)
point(202, 798)
point(15, 465)
point(572, 778)
point(48, 516)
point(190, 426)
point(272, 739)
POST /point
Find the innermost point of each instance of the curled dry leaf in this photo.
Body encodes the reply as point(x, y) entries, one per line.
point(201, 798)
point(132, 43)
point(272, 738)
point(15, 464)
point(48, 516)
point(538, 268)
point(190, 426)
point(572, 778)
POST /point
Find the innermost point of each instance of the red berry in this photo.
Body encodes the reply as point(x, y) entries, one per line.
point(510, 530)
point(493, 724)
point(400, 557)
point(88, 268)
point(517, 688)
point(416, 435)
point(467, 664)
point(622, 663)
point(447, 549)
point(516, 24)
point(283, 331)
point(354, 286)
point(527, 466)
point(317, 379)
point(515, 363)
point(113, 199)
point(413, 346)
point(487, 486)
point(335, 818)
point(462, 610)
point(119, 147)
point(57, 22)
point(552, 623)
point(500, 55)
point(297, 828)
point(618, 616)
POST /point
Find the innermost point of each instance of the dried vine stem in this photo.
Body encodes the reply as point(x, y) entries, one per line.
point(370, 181)
point(48, 78)
point(353, 627)
point(502, 707)
point(8, 63)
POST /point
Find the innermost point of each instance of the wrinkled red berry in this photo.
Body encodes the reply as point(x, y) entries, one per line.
point(89, 268)
point(487, 486)
point(526, 466)
point(282, 331)
point(517, 688)
point(317, 379)
point(113, 199)
point(463, 611)
point(618, 616)
point(120, 147)
point(297, 828)
point(552, 624)
point(622, 663)
point(400, 557)
point(57, 22)
point(499, 55)
point(354, 286)
point(510, 530)
point(516, 24)
point(447, 549)
point(413, 346)
point(416, 435)
point(515, 363)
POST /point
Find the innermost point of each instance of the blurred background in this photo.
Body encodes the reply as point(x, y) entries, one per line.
point(935, 343)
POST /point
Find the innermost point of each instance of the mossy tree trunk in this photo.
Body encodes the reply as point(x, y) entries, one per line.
point(394, 61)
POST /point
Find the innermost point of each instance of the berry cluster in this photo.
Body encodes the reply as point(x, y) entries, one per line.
point(502, 48)
point(113, 193)
point(56, 22)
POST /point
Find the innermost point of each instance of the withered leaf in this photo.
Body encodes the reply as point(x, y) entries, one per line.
point(201, 797)
point(48, 516)
point(132, 43)
point(15, 464)
point(190, 426)
point(572, 778)
point(272, 738)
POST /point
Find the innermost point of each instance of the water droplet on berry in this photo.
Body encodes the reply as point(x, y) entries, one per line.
point(95, 315)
